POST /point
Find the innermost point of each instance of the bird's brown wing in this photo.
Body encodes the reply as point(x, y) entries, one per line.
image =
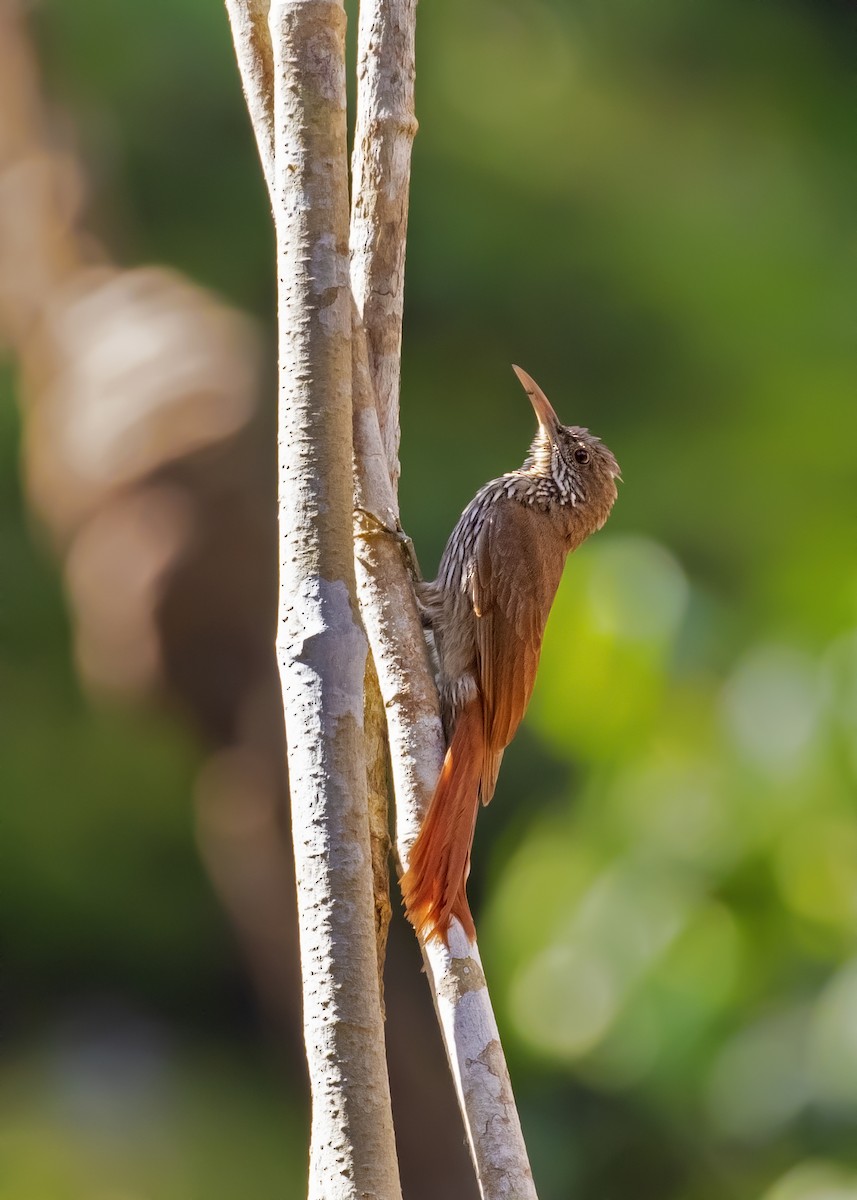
point(518, 561)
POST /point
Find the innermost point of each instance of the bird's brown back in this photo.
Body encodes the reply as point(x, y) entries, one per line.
point(491, 601)
point(488, 609)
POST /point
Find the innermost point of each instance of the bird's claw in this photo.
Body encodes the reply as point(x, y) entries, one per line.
point(374, 526)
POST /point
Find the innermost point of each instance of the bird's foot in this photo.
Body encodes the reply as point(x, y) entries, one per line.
point(369, 524)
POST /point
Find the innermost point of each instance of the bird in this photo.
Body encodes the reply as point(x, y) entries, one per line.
point(487, 610)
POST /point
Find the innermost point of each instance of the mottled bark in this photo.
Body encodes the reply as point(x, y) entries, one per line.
point(455, 972)
point(381, 168)
point(381, 163)
point(251, 35)
point(321, 644)
point(381, 172)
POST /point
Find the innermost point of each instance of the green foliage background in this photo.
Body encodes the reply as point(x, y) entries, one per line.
point(651, 207)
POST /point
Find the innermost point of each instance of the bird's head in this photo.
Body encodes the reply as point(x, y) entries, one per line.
point(578, 464)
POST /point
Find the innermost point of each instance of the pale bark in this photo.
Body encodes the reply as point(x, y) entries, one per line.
point(381, 172)
point(455, 972)
point(385, 129)
point(381, 175)
point(252, 39)
point(321, 644)
point(251, 35)
point(381, 164)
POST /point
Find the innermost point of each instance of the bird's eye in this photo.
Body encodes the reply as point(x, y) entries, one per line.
point(581, 455)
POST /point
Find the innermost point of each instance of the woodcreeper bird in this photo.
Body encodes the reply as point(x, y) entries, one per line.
point(487, 610)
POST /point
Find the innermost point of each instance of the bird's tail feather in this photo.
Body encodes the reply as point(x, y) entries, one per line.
point(434, 884)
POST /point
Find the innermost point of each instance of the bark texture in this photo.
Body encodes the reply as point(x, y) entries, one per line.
point(252, 37)
point(381, 164)
point(381, 173)
point(455, 973)
point(321, 644)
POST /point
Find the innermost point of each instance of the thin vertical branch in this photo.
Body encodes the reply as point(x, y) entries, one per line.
point(455, 972)
point(381, 163)
point(385, 130)
point(251, 36)
point(381, 173)
point(252, 39)
point(321, 645)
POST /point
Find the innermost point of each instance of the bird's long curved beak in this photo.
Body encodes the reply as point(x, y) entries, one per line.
point(547, 418)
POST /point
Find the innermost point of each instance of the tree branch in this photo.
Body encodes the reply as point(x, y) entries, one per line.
point(455, 972)
point(321, 645)
point(251, 36)
point(381, 172)
point(381, 161)
point(381, 166)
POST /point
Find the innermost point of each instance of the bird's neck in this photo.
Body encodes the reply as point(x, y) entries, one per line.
point(540, 458)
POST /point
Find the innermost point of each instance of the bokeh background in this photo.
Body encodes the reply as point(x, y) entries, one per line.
point(652, 208)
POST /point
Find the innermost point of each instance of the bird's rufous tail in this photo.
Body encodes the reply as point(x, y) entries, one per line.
point(434, 884)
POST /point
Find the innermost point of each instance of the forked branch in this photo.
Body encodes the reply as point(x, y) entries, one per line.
point(321, 645)
point(381, 173)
